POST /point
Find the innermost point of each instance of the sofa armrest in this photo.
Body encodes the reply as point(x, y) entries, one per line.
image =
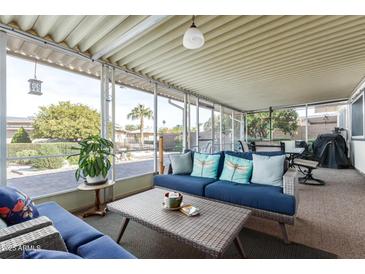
point(290, 178)
point(43, 238)
point(23, 228)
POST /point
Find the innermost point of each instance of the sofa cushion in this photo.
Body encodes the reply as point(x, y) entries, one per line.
point(236, 170)
point(248, 155)
point(15, 206)
point(205, 165)
point(221, 159)
point(48, 254)
point(181, 164)
point(184, 183)
point(268, 170)
point(2, 224)
point(265, 197)
point(73, 230)
point(103, 248)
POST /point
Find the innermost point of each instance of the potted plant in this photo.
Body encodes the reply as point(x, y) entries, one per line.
point(94, 163)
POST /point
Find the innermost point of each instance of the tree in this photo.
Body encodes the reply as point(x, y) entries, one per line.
point(66, 121)
point(258, 124)
point(140, 112)
point(226, 124)
point(21, 136)
point(286, 121)
point(131, 127)
point(178, 129)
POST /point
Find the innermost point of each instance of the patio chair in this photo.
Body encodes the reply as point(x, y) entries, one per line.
point(243, 146)
point(306, 163)
point(267, 146)
point(306, 167)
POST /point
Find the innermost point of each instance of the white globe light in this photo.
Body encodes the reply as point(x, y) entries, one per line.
point(193, 38)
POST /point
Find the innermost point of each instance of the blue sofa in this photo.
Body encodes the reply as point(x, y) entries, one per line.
point(266, 201)
point(80, 238)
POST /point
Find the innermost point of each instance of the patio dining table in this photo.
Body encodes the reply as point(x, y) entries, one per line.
point(294, 153)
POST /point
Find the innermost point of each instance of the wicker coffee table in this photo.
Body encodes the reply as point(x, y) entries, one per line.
point(212, 232)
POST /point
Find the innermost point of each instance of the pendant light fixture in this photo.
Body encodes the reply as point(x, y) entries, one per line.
point(193, 37)
point(35, 85)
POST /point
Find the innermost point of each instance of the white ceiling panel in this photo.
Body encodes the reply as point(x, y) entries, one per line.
point(247, 62)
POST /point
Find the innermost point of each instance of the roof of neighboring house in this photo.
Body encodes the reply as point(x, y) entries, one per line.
point(12, 119)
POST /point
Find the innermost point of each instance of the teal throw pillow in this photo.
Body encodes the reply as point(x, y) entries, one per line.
point(181, 164)
point(205, 165)
point(268, 170)
point(237, 170)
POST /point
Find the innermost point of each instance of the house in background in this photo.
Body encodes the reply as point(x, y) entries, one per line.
point(15, 123)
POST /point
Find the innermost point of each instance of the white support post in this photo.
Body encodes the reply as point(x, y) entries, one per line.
point(213, 130)
point(103, 80)
point(106, 102)
point(246, 128)
point(197, 124)
point(106, 75)
point(189, 123)
point(221, 143)
point(306, 124)
point(242, 126)
point(113, 122)
point(3, 152)
point(232, 130)
point(155, 121)
point(102, 100)
point(185, 124)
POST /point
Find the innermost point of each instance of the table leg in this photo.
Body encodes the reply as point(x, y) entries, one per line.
point(239, 246)
point(98, 211)
point(122, 229)
point(97, 199)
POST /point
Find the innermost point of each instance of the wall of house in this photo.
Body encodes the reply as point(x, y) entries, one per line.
point(78, 200)
point(357, 145)
point(358, 155)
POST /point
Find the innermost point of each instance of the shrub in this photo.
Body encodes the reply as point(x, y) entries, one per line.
point(25, 153)
point(74, 160)
point(63, 147)
point(48, 163)
point(21, 136)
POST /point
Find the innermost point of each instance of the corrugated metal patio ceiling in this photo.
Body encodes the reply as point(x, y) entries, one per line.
point(247, 62)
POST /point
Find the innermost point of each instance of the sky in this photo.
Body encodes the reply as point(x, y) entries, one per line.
point(60, 85)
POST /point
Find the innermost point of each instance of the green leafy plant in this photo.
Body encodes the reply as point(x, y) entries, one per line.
point(94, 153)
point(66, 121)
point(21, 136)
point(48, 163)
point(73, 160)
point(25, 153)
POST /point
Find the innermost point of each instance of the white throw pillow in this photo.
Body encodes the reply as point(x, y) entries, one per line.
point(268, 170)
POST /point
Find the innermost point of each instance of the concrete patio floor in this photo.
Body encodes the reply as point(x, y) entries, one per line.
point(53, 182)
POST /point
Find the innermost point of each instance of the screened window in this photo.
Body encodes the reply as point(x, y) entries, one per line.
point(42, 129)
point(357, 117)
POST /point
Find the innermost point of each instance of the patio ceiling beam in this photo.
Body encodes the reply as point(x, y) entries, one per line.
point(124, 38)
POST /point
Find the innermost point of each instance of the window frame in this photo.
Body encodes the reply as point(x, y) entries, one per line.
point(361, 95)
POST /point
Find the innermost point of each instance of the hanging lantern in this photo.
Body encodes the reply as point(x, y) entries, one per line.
point(35, 85)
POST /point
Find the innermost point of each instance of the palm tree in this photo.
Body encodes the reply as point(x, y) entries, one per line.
point(140, 112)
